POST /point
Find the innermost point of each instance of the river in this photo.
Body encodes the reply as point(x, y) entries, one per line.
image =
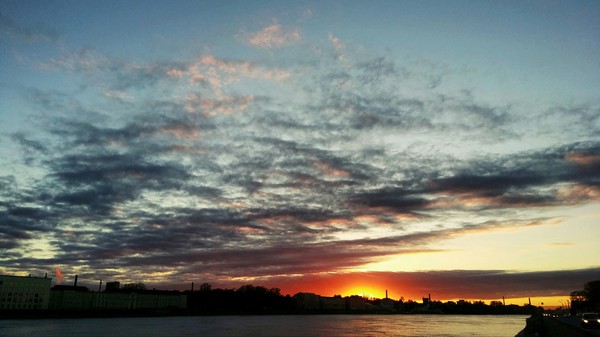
point(272, 326)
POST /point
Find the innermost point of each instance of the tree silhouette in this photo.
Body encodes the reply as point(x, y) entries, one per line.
point(134, 286)
point(205, 287)
point(592, 291)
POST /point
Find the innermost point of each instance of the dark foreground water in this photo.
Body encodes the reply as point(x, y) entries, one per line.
point(275, 326)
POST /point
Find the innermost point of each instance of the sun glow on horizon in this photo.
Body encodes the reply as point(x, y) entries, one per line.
point(364, 291)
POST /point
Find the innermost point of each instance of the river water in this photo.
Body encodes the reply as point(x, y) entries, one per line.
point(272, 326)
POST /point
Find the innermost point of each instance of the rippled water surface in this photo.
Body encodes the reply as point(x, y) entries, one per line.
point(276, 326)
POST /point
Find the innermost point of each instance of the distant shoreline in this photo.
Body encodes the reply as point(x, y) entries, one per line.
point(78, 314)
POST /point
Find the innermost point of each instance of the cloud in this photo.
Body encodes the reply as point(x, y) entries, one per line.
point(216, 74)
point(211, 242)
point(227, 105)
point(118, 95)
point(273, 36)
point(296, 200)
point(13, 30)
point(338, 46)
point(231, 168)
point(113, 75)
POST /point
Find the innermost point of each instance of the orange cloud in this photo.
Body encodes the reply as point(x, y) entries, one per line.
point(330, 223)
point(463, 201)
point(574, 193)
point(582, 158)
point(181, 131)
point(329, 170)
point(380, 215)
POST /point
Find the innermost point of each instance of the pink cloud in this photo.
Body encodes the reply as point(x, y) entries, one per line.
point(217, 73)
point(273, 36)
point(339, 47)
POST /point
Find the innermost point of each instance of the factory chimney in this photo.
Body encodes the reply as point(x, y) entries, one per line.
point(75, 283)
point(386, 294)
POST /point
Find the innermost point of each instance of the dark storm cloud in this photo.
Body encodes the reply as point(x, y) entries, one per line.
point(522, 180)
point(264, 258)
point(398, 199)
point(21, 217)
point(101, 180)
point(491, 185)
point(22, 222)
point(295, 258)
point(302, 215)
point(135, 134)
point(282, 260)
point(100, 166)
point(162, 236)
point(28, 143)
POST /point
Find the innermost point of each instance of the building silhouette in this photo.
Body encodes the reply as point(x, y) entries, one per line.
point(34, 293)
point(24, 292)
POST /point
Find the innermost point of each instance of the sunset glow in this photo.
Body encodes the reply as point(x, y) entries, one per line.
point(340, 148)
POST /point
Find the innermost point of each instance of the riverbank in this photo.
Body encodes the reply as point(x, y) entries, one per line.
point(549, 326)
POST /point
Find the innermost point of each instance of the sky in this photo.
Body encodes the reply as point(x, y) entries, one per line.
point(449, 148)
